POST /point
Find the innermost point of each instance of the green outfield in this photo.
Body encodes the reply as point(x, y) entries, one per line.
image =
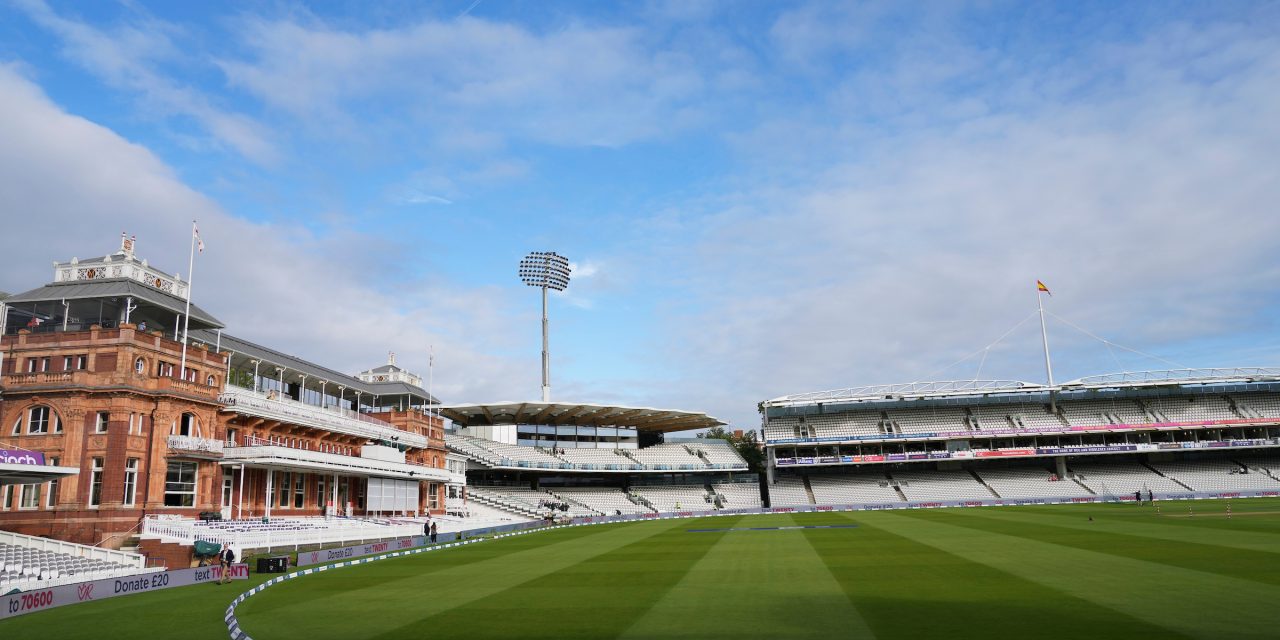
point(1013, 572)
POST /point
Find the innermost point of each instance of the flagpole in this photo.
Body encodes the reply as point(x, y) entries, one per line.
point(1044, 335)
point(186, 316)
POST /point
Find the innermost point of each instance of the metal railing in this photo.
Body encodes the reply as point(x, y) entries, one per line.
point(294, 533)
point(205, 446)
point(248, 402)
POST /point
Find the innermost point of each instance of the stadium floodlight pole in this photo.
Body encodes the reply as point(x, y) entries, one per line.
point(545, 270)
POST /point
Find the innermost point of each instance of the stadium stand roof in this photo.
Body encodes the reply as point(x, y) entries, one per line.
point(115, 288)
point(575, 413)
point(971, 388)
point(243, 351)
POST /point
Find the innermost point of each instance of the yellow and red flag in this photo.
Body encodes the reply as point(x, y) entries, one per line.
point(1040, 287)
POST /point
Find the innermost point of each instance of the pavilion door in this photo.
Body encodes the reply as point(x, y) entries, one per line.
point(228, 481)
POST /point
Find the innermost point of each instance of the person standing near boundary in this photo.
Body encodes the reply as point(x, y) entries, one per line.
point(225, 559)
point(433, 532)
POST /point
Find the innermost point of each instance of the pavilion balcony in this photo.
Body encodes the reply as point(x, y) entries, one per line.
point(335, 420)
point(278, 457)
point(193, 447)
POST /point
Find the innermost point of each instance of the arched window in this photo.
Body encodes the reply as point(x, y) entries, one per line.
point(211, 381)
point(186, 425)
point(140, 366)
point(40, 419)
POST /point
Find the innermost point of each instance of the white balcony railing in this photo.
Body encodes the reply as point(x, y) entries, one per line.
point(291, 532)
point(191, 444)
point(251, 403)
point(285, 456)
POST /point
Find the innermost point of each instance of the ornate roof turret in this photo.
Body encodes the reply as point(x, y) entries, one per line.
point(390, 372)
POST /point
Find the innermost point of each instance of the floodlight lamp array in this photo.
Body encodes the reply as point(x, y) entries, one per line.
point(546, 269)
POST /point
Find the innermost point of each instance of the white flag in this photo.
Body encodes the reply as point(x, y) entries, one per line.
point(196, 230)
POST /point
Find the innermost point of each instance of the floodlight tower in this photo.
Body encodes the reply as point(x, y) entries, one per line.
point(545, 270)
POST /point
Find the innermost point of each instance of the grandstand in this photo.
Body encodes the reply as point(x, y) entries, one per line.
point(669, 498)
point(604, 501)
point(1185, 433)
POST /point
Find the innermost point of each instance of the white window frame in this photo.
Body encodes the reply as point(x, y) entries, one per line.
point(30, 497)
point(130, 482)
point(95, 483)
point(194, 484)
point(100, 421)
point(44, 425)
point(140, 366)
point(52, 499)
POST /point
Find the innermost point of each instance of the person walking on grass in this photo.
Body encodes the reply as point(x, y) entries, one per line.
point(225, 560)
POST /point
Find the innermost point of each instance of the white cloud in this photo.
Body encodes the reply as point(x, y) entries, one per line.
point(575, 85)
point(1147, 203)
point(71, 186)
point(128, 57)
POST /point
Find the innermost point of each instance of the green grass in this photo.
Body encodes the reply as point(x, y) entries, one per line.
point(1016, 572)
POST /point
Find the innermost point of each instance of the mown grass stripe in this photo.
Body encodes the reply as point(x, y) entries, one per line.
point(568, 603)
point(755, 585)
point(1200, 556)
point(1150, 526)
point(907, 589)
point(391, 595)
point(1193, 603)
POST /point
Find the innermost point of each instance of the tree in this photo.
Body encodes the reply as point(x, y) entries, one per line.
point(746, 445)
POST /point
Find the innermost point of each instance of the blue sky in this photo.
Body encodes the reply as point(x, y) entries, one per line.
point(760, 198)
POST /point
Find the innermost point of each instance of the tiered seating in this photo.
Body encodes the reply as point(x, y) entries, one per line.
point(941, 485)
point(720, 454)
point(738, 495)
point(928, 420)
point(852, 489)
point(1193, 408)
point(1030, 483)
point(783, 429)
point(596, 458)
point(1100, 412)
point(529, 456)
point(1122, 479)
point(256, 534)
point(25, 567)
point(603, 500)
point(846, 425)
point(1014, 416)
point(532, 499)
point(690, 497)
point(662, 456)
point(788, 491)
point(1265, 405)
point(1222, 475)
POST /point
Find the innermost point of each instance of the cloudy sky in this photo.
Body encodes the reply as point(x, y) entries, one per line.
point(758, 198)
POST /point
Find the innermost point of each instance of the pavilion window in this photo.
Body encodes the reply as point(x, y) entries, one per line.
point(180, 485)
point(130, 481)
point(38, 419)
point(30, 497)
point(95, 483)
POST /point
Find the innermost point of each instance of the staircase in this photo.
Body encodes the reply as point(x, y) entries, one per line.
point(576, 503)
point(808, 489)
point(1175, 480)
point(984, 483)
point(502, 505)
